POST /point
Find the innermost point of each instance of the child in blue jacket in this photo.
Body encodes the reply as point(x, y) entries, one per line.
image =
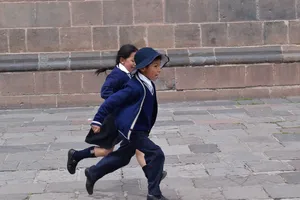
point(108, 138)
point(135, 109)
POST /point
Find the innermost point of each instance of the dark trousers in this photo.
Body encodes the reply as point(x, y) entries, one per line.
point(154, 157)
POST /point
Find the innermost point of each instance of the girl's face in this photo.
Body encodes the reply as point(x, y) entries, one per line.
point(153, 70)
point(129, 62)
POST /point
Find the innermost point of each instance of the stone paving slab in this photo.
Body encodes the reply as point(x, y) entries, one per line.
point(239, 149)
point(245, 192)
point(196, 193)
point(283, 191)
point(291, 177)
point(269, 166)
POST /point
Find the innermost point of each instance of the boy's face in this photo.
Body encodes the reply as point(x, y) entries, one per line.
point(153, 70)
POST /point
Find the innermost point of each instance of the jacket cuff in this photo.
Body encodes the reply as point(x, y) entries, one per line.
point(96, 123)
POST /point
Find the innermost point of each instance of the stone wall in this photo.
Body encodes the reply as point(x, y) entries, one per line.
point(220, 49)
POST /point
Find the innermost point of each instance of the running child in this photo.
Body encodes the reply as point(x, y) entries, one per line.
point(108, 138)
point(135, 109)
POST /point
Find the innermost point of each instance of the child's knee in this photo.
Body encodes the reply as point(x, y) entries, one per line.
point(160, 155)
point(107, 151)
point(139, 153)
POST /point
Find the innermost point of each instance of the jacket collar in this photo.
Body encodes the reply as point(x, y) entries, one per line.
point(147, 82)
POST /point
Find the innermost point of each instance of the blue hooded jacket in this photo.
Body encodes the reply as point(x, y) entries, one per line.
point(114, 82)
point(128, 104)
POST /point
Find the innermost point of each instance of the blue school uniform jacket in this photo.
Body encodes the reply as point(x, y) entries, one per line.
point(114, 82)
point(135, 107)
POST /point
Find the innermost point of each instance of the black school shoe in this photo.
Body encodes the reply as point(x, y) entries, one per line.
point(163, 176)
point(151, 197)
point(89, 184)
point(72, 163)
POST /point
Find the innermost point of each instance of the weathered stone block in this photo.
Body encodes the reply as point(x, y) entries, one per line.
point(161, 36)
point(170, 96)
point(54, 61)
point(86, 13)
point(91, 82)
point(259, 75)
point(3, 41)
point(248, 55)
point(13, 87)
point(108, 58)
point(176, 11)
point(178, 57)
point(238, 10)
point(275, 33)
point(191, 78)
point(78, 100)
point(135, 35)
point(17, 40)
point(222, 77)
point(277, 9)
point(82, 60)
point(204, 11)
point(75, 39)
point(166, 80)
point(71, 82)
point(111, 12)
point(187, 35)
point(42, 101)
point(294, 28)
point(142, 14)
point(214, 34)
point(245, 34)
point(201, 56)
point(43, 40)
point(16, 15)
point(52, 14)
point(105, 38)
point(291, 53)
point(286, 74)
point(298, 8)
point(47, 83)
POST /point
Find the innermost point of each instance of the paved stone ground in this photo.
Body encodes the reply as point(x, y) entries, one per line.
point(244, 149)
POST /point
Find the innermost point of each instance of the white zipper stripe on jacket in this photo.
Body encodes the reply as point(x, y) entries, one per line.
point(134, 121)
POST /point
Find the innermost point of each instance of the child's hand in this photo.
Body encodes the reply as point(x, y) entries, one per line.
point(96, 129)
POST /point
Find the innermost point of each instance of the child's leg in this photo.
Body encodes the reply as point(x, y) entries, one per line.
point(101, 152)
point(108, 164)
point(140, 157)
point(91, 152)
point(75, 156)
point(155, 162)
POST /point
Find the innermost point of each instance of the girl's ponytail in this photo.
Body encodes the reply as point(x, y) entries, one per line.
point(101, 70)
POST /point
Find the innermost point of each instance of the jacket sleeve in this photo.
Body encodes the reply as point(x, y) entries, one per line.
point(113, 102)
point(109, 86)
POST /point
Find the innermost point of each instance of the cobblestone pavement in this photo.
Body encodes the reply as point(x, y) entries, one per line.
point(243, 149)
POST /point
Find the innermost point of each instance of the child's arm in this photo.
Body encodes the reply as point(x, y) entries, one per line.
point(116, 100)
point(110, 83)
